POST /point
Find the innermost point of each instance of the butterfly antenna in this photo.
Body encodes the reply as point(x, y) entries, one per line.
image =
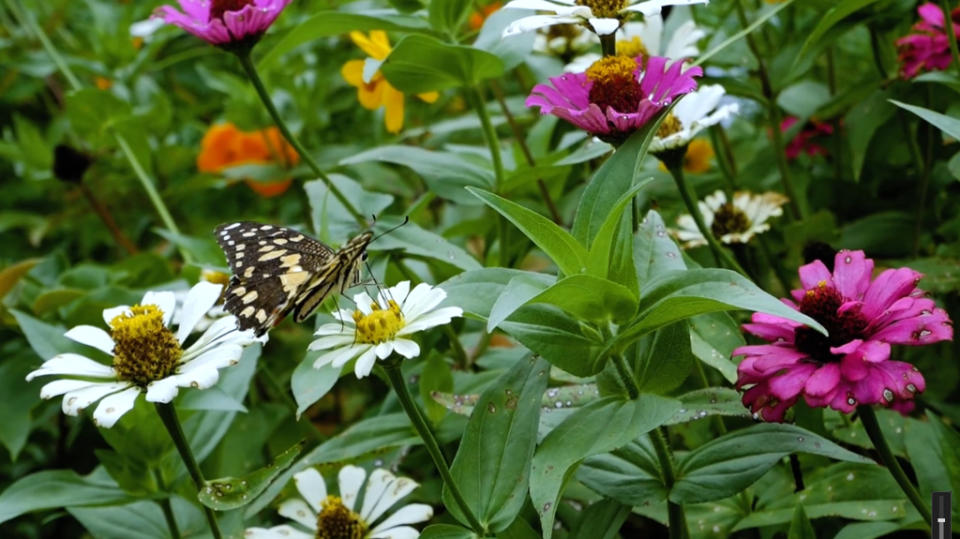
point(406, 219)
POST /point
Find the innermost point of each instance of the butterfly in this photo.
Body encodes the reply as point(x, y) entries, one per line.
point(278, 269)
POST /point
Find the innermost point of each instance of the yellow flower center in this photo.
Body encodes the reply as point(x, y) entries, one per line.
point(729, 219)
point(698, 156)
point(604, 8)
point(215, 277)
point(632, 48)
point(335, 521)
point(380, 325)
point(144, 350)
point(669, 126)
point(615, 84)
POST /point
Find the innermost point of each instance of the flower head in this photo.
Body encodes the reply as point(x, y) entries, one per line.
point(379, 328)
point(602, 17)
point(335, 516)
point(148, 356)
point(226, 23)
point(697, 111)
point(225, 146)
point(852, 365)
point(928, 48)
point(736, 221)
point(373, 90)
point(806, 140)
point(616, 96)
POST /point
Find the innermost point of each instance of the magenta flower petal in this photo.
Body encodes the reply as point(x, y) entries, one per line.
point(221, 22)
point(851, 273)
point(813, 274)
point(928, 48)
point(823, 381)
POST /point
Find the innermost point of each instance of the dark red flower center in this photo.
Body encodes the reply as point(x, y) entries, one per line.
point(823, 305)
point(615, 84)
point(219, 7)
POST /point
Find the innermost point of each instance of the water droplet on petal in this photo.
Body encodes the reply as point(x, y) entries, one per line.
point(887, 395)
point(911, 388)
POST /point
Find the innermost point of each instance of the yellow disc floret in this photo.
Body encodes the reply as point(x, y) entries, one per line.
point(380, 325)
point(632, 48)
point(604, 8)
point(145, 350)
point(335, 521)
point(669, 126)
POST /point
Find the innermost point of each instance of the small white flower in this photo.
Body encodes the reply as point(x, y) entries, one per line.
point(735, 222)
point(697, 111)
point(327, 515)
point(147, 355)
point(377, 329)
point(146, 28)
point(603, 17)
point(648, 37)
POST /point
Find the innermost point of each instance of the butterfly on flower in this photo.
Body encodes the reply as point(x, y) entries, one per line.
point(278, 269)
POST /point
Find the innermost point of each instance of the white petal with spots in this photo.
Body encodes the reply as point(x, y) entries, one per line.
point(74, 364)
point(297, 510)
point(350, 479)
point(113, 407)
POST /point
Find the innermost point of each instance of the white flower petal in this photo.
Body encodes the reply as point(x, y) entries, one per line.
point(331, 341)
point(277, 532)
point(683, 41)
point(113, 407)
point(397, 293)
point(349, 481)
point(421, 299)
point(363, 302)
point(653, 7)
point(73, 364)
point(113, 312)
point(536, 22)
point(199, 378)
point(384, 349)
point(399, 532)
point(604, 26)
point(297, 510)
point(408, 514)
point(91, 336)
point(222, 356)
point(436, 318)
point(339, 356)
point(76, 401)
point(542, 5)
point(406, 348)
point(365, 363)
point(392, 490)
point(312, 487)
point(165, 300)
point(201, 297)
point(377, 485)
point(164, 390)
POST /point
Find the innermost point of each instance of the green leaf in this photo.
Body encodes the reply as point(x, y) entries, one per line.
point(590, 298)
point(477, 291)
point(330, 219)
point(771, 11)
point(448, 16)
point(417, 241)
point(493, 462)
point(601, 520)
point(93, 112)
point(141, 520)
point(834, 15)
point(862, 122)
point(421, 64)
point(598, 260)
point(435, 377)
point(512, 50)
point(447, 531)
point(309, 384)
point(804, 98)
point(630, 475)
point(568, 254)
point(666, 361)
point(727, 465)
point(800, 526)
point(334, 23)
point(654, 252)
point(19, 398)
point(45, 339)
point(204, 249)
point(947, 124)
point(54, 489)
point(701, 403)
point(229, 493)
point(713, 337)
point(554, 335)
point(598, 427)
point(519, 290)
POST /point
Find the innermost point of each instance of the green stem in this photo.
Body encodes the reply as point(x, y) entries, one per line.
point(678, 522)
point(27, 20)
point(394, 374)
point(166, 507)
point(690, 200)
point(168, 415)
point(869, 419)
point(705, 382)
point(490, 134)
point(608, 44)
point(948, 27)
point(626, 376)
point(254, 77)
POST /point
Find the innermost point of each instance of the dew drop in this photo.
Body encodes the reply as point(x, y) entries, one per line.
point(849, 476)
point(911, 388)
point(552, 392)
point(887, 395)
point(851, 401)
point(800, 439)
point(492, 408)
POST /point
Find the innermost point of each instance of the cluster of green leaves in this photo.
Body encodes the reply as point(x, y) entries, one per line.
point(527, 392)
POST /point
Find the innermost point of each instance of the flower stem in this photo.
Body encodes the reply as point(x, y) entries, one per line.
point(870, 424)
point(254, 77)
point(690, 199)
point(608, 44)
point(168, 415)
point(490, 134)
point(166, 507)
point(678, 522)
point(952, 36)
point(394, 374)
point(626, 376)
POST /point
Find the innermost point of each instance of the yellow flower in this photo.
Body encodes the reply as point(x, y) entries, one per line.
point(375, 92)
point(698, 156)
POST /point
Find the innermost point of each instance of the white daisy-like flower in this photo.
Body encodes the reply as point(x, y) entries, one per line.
point(647, 38)
point(327, 515)
point(602, 17)
point(731, 222)
point(378, 328)
point(147, 355)
point(697, 111)
point(212, 314)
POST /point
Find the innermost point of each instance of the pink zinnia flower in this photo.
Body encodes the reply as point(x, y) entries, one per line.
point(852, 366)
point(929, 47)
point(224, 22)
point(804, 142)
point(616, 96)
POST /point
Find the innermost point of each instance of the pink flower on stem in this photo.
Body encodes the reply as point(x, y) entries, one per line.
point(928, 48)
point(224, 22)
point(852, 366)
point(615, 96)
point(805, 141)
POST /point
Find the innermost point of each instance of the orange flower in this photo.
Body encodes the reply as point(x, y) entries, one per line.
point(225, 146)
point(102, 83)
point(373, 90)
point(478, 17)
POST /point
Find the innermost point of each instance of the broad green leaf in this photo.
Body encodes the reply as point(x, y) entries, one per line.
point(477, 291)
point(867, 530)
point(729, 464)
point(947, 124)
point(417, 241)
point(515, 294)
point(653, 250)
point(228, 493)
point(448, 16)
point(829, 19)
point(12, 274)
point(556, 336)
point(19, 398)
point(554, 398)
point(493, 462)
point(702, 403)
point(861, 122)
point(663, 363)
point(421, 64)
point(598, 427)
point(630, 475)
point(54, 489)
point(590, 298)
point(803, 98)
point(601, 520)
point(598, 260)
point(435, 377)
point(945, 454)
point(45, 339)
point(141, 520)
point(568, 254)
point(800, 526)
point(203, 249)
point(93, 112)
point(872, 233)
point(447, 531)
point(940, 275)
point(512, 50)
point(713, 337)
point(334, 23)
point(331, 221)
point(309, 384)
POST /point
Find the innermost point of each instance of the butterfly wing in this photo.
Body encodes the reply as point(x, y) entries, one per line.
point(339, 273)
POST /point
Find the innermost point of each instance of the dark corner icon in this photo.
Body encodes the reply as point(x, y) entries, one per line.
point(940, 526)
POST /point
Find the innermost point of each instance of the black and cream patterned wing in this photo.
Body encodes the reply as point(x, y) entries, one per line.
point(339, 273)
